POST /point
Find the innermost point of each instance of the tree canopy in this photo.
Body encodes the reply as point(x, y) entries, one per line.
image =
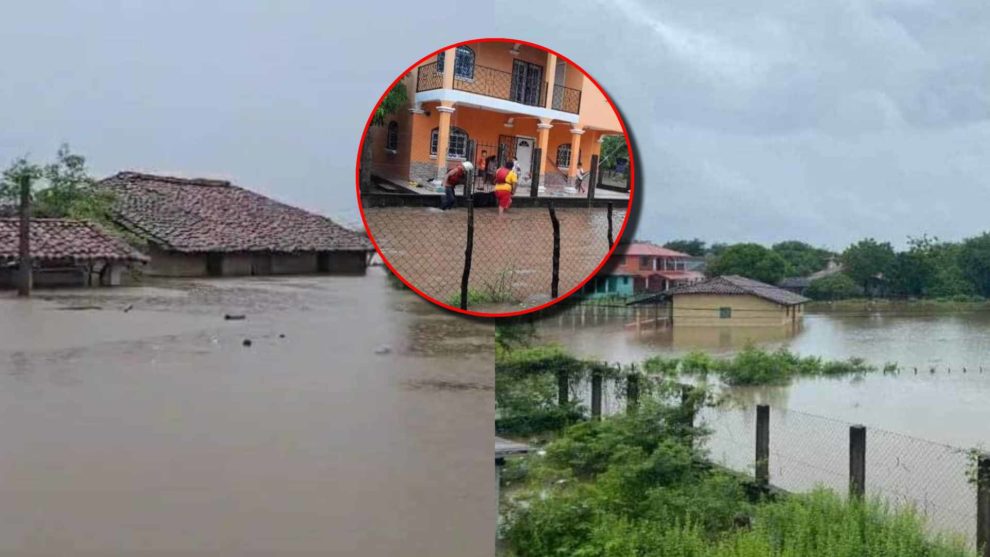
point(749, 260)
point(693, 247)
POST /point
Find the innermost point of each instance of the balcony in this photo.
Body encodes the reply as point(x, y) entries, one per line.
point(499, 84)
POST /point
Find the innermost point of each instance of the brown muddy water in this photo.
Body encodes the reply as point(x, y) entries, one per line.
point(512, 258)
point(920, 424)
point(358, 422)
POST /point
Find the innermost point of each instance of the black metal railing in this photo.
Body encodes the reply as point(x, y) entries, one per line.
point(428, 78)
point(494, 83)
point(566, 99)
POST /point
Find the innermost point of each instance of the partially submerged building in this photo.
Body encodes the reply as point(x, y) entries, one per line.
point(200, 227)
point(733, 301)
point(66, 252)
point(637, 268)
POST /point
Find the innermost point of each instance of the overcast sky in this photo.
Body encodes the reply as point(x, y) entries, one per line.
point(763, 121)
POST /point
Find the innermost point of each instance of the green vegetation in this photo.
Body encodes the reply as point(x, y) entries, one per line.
point(636, 485)
point(833, 287)
point(62, 189)
point(755, 366)
point(393, 101)
point(497, 290)
point(693, 247)
point(750, 260)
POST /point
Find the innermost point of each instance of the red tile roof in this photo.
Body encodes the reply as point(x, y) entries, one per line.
point(64, 239)
point(737, 285)
point(199, 215)
point(643, 248)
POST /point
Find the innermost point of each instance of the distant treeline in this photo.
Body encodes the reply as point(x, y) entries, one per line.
point(928, 268)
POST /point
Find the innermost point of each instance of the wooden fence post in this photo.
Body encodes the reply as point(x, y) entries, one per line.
point(555, 260)
point(563, 389)
point(25, 266)
point(632, 393)
point(763, 446)
point(610, 241)
point(596, 394)
point(857, 461)
point(983, 505)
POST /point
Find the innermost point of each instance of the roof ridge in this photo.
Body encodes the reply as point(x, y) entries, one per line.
point(209, 182)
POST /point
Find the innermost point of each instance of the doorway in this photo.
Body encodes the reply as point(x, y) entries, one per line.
point(527, 83)
point(524, 154)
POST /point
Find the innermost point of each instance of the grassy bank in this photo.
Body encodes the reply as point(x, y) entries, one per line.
point(638, 486)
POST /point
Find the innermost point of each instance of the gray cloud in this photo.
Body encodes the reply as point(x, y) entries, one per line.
point(825, 121)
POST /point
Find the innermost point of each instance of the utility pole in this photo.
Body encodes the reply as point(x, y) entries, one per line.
point(25, 264)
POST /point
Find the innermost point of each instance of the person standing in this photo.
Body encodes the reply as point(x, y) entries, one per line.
point(456, 176)
point(579, 178)
point(505, 186)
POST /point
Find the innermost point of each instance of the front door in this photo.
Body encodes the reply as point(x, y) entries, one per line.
point(527, 82)
point(524, 154)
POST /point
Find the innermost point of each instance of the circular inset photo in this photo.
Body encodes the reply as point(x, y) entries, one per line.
point(494, 177)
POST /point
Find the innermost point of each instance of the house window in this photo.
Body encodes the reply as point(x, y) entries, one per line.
point(457, 148)
point(564, 155)
point(724, 313)
point(463, 63)
point(645, 262)
point(679, 264)
point(392, 137)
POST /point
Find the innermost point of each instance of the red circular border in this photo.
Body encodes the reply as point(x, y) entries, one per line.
point(558, 299)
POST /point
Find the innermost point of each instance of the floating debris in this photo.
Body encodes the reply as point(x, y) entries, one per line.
point(382, 350)
point(247, 342)
point(234, 316)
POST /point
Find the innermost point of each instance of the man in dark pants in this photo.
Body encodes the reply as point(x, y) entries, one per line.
point(456, 175)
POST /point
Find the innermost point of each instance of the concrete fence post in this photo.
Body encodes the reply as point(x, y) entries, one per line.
point(857, 461)
point(596, 394)
point(632, 393)
point(983, 505)
point(563, 389)
point(763, 446)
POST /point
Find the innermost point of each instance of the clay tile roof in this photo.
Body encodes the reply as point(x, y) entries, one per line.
point(736, 285)
point(64, 239)
point(197, 215)
point(644, 248)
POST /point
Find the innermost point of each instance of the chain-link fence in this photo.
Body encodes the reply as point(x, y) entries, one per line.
point(806, 451)
point(473, 258)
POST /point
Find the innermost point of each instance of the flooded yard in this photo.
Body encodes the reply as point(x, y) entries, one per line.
point(921, 422)
point(512, 257)
point(136, 420)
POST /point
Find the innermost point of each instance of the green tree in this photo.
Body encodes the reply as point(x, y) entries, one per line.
point(693, 247)
point(749, 260)
point(613, 148)
point(867, 261)
point(396, 98)
point(974, 262)
point(65, 189)
point(833, 287)
point(802, 259)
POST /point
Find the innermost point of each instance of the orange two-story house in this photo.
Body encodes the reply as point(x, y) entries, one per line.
point(640, 267)
point(509, 99)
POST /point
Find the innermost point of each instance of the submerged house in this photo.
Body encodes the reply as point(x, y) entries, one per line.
point(200, 227)
point(734, 301)
point(66, 252)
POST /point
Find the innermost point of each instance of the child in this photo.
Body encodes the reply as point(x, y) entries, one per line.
point(505, 186)
point(579, 178)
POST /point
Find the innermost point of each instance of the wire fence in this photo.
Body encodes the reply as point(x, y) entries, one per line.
point(472, 257)
point(807, 451)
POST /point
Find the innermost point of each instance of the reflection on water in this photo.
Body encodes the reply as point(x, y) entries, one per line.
point(354, 424)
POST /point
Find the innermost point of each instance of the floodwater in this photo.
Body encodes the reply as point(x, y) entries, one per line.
point(511, 264)
point(135, 420)
point(920, 421)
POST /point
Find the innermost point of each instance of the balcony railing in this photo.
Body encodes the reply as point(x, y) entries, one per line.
point(503, 85)
point(566, 99)
point(428, 78)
